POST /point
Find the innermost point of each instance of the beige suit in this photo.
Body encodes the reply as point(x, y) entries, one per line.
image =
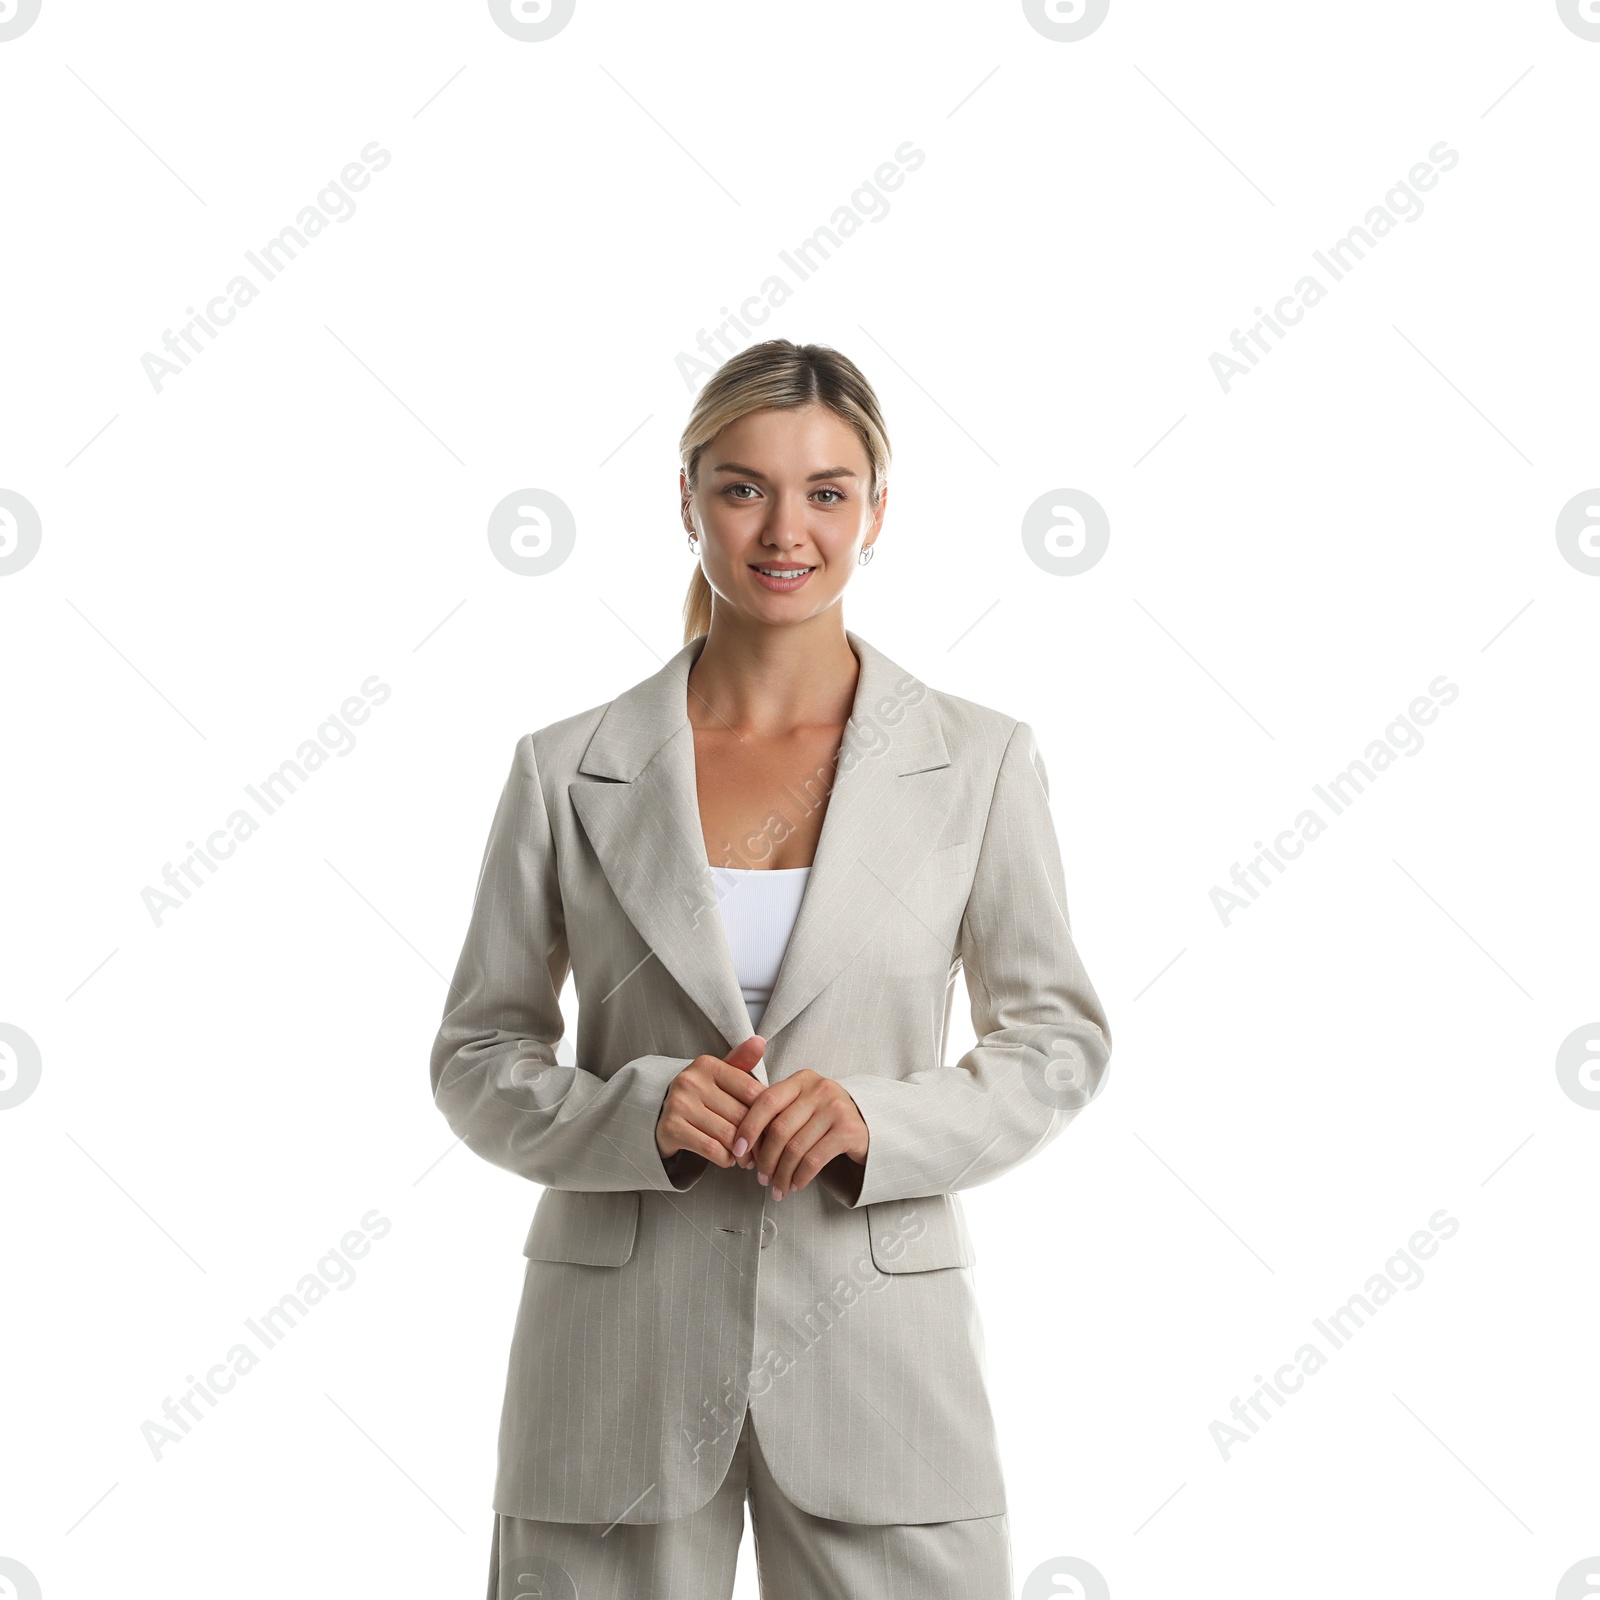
point(663, 1299)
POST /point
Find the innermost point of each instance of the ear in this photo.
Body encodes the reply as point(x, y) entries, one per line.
point(877, 514)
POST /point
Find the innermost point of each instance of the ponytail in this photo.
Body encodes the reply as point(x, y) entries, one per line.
point(697, 606)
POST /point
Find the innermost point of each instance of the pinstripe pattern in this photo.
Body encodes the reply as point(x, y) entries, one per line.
point(661, 1300)
point(798, 1556)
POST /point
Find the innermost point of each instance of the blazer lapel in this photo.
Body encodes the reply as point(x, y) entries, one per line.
point(636, 799)
point(885, 813)
point(640, 810)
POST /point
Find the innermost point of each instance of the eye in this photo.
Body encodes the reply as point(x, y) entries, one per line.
point(729, 491)
point(835, 493)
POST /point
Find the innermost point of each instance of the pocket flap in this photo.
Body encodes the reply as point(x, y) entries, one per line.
point(919, 1235)
point(592, 1229)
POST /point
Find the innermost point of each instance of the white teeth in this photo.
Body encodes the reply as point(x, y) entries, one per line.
point(782, 572)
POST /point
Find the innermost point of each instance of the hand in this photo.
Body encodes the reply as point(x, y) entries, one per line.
point(706, 1101)
point(793, 1129)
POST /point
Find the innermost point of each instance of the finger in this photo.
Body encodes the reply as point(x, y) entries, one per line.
point(746, 1055)
point(768, 1104)
point(707, 1119)
point(738, 1085)
point(731, 1095)
point(701, 1144)
point(782, 1128)
point(728, 1105)
point(817, 1156)
point(798, 1144)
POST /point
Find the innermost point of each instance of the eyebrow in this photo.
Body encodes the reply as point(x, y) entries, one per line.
point(750, 472)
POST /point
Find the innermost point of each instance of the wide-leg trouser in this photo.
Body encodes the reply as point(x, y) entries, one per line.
point(798, 1556)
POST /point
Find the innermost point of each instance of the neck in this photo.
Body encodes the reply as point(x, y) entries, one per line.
point(758, 679)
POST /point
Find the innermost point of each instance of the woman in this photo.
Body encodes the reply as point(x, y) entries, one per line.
point(748, 1274)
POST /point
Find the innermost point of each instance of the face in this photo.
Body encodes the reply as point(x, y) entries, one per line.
point(783, 512)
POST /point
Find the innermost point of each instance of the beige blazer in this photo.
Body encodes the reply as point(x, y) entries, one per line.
point(662, 1298)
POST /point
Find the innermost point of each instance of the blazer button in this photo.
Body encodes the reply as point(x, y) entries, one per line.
point(769, 1229)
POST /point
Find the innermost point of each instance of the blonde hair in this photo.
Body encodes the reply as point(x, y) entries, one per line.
point(777, 375)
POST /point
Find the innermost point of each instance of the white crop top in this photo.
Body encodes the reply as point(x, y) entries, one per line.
point(758, 908)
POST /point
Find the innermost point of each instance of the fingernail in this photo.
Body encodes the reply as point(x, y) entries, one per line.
point(777, 1194)
point(740, 1146)
point(761, 1177)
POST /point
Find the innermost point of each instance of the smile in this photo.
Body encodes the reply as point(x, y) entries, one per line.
point(782, 577)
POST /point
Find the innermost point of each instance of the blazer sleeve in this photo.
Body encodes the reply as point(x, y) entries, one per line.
point(1043, 1040)
point(493, 1064)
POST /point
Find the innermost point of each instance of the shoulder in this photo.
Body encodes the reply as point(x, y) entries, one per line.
point(1001, 745)
point(620, 737)
point(973, 735)
point(546, 760)
point(1001, 750)
point(558, 747)
point(972, 730)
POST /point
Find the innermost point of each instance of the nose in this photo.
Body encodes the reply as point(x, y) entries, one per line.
point(786, 524)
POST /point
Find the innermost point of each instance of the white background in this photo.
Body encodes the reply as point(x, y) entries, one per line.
point(1291, 1096)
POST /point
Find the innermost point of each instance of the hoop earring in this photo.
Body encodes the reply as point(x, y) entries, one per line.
point(865, 556)
point(694, 544)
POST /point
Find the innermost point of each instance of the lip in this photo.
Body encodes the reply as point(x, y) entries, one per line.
point(780, 585)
